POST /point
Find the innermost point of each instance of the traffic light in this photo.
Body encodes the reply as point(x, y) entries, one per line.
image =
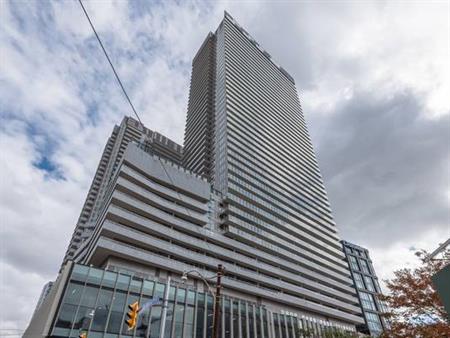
point(83, 335)
point(132, 315)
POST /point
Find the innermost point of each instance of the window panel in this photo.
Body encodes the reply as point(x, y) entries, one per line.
point(369, 283)
point(123, 281)
point(209, 315)
point(251, 322)
point(276, 325)
point(109, 279)
point(80, 272)
point(102, 310)
point(117, 312)
point(189, 322)
point(83, 318)
point(358, 281)
point(178, 321)
point(353, 263)
point(235, 318)
point(143, 319)
point(94, 276)
point(155, 325)
point(147, 288)
point(227, 316)
point(73, 293)
point(66, 315)
point(200, 314)
point(265, 318)
point(364, 266)
point(367, 301)
point(258, 321)
point(243, 320)
point(89, 296)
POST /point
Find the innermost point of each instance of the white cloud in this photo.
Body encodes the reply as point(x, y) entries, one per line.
point(55, 81)
point(400, 254)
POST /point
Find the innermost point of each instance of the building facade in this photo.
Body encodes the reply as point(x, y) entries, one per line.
point(263, 165)
point(245, 192)
point(44, 293)
point(368, 287)
point(129, 130)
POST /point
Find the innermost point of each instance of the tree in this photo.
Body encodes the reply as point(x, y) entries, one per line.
point(415, 309)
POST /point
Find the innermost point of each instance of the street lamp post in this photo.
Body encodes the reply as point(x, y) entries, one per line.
point(216, 295)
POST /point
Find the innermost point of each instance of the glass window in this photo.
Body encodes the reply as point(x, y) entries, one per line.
point(170, 317)
point(283, 326)
point(243, 307)
point(147, 288)
point(189, 322)
point(181, 295)
point(190, 297)
point(265, 323)
point(258, 321)
point(60, 332)
point(251, 321)
point(235, 318)
point(373, 321)
point(79, 272)
point(122, 282)
point(377, 286)
point(66, 314)
point(102, 310)
point(290, 325)
point(73, 293)
point(155, 324)
point(89, 296)
point(136, 285)
point(369, 283)
point(353, 263)
point(200, 314)
point(83, 318)
point(143, 319)
point(358, 281)
point(209, 315)
point(367, 301)
point(178, 320)
point(364, 266)
point(172, 293)
point(159, 290)
point(109, 279)
point(117, 312)
point(276, 325)
point(227, 315)
point(94, 276)
point(381, 305)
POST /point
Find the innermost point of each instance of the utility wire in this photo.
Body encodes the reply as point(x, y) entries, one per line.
point(110, 63)
point(132, 107)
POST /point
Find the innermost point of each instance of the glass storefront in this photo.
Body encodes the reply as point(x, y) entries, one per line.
point(96, 301)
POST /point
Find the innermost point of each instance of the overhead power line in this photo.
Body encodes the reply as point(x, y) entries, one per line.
point(110, 63)
point(134, 110)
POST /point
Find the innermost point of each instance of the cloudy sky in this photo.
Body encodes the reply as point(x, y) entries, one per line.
point(373, 77)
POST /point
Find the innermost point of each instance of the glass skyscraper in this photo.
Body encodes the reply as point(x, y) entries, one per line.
point(245, 191)
point(366, 283)
point(252, 143)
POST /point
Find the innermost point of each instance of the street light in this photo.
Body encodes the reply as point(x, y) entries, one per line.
point(184, 279)
point(216, 309)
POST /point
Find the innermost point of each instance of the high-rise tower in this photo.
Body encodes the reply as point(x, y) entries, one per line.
point(369, 291)
point(260, 157)
point(247, 193)
point(128, 131)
